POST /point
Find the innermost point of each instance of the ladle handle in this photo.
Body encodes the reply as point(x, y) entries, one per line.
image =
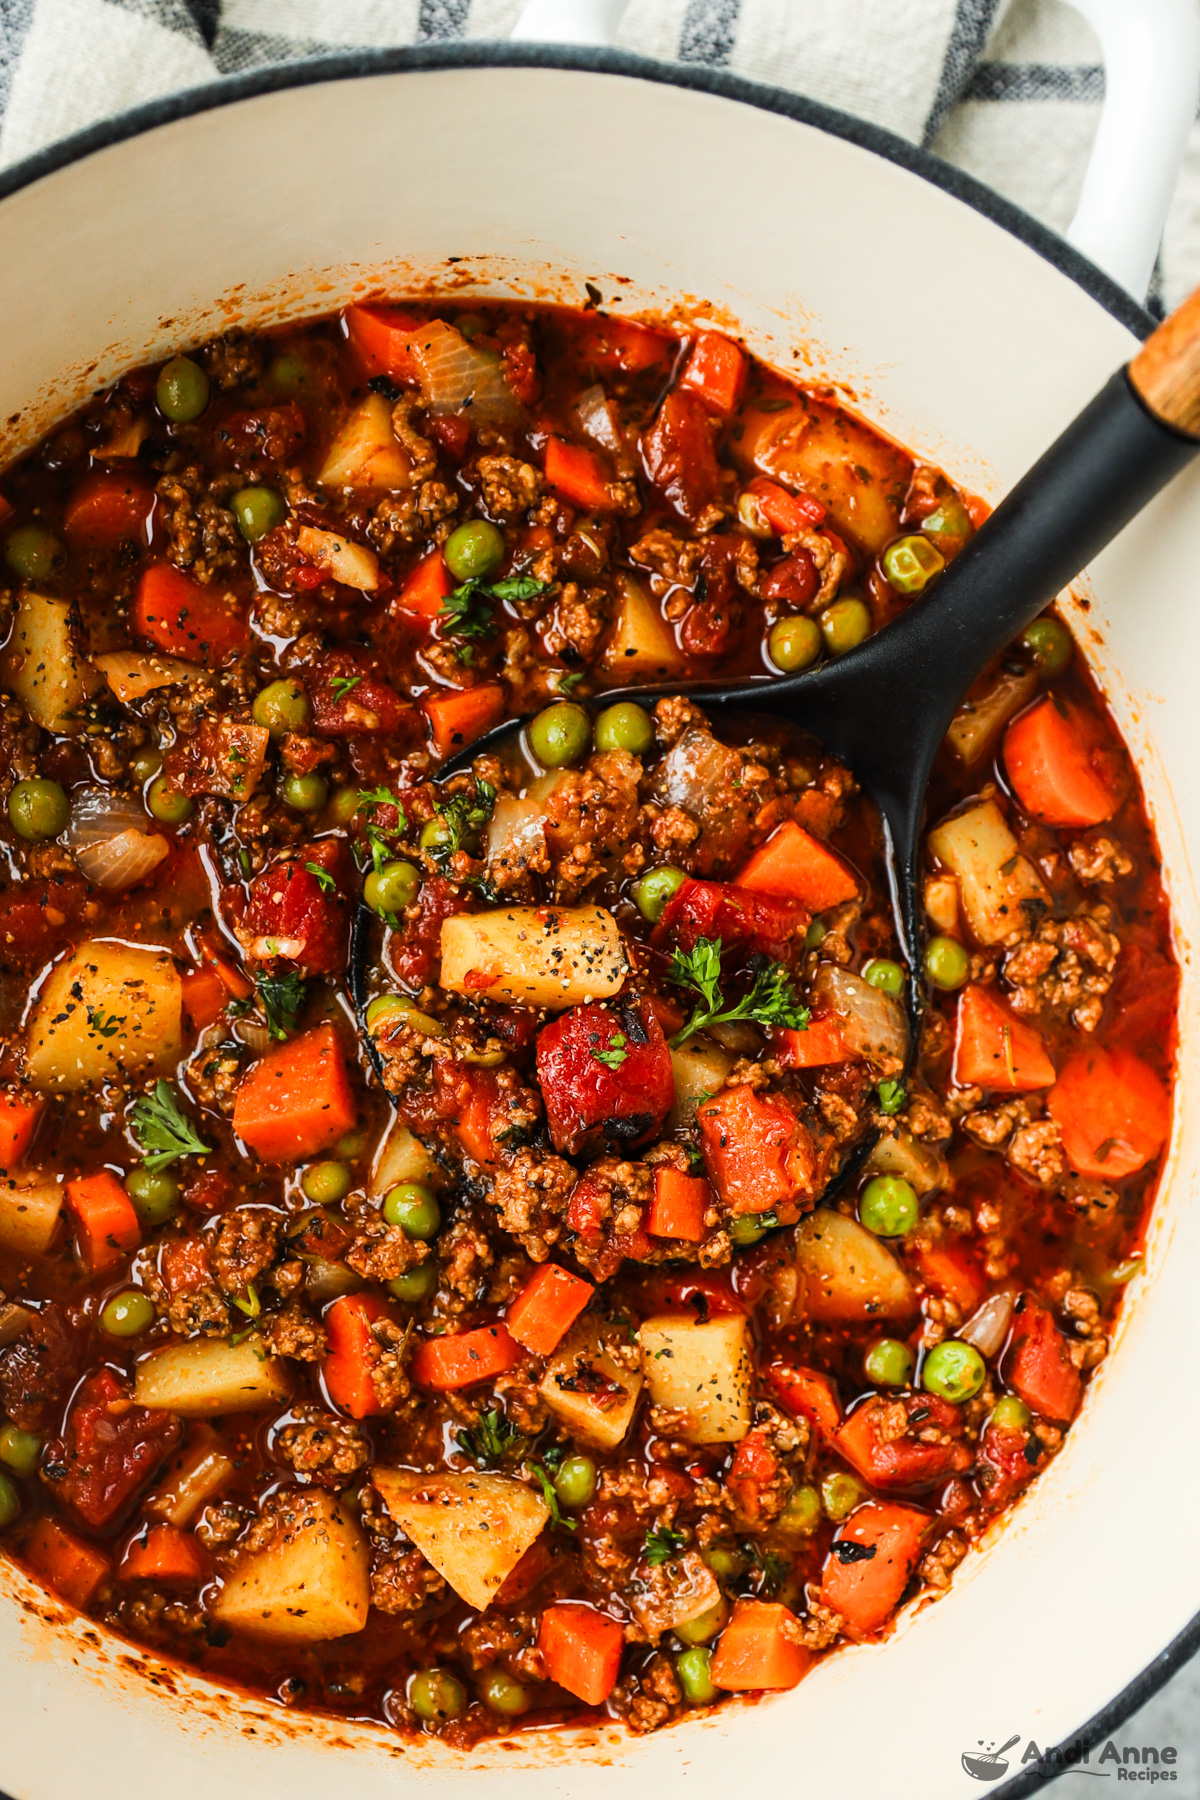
point(1165, 373)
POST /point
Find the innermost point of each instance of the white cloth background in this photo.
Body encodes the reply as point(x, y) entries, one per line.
point(1007, 89)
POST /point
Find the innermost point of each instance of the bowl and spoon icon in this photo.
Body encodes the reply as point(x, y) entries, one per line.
point(988, 1765)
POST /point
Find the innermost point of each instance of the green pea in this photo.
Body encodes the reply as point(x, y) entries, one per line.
point(10, 1504)
point(726, 1564)
point(1008, 1414)
point(389, 890)
point(325, 1183)
point(575, 1482)
point(560, 735)
point(384, 1011)
point(950, 519)
point(802, 1513)
point(889, 1363)
point(38, 809)
point(749, 1228)
point(344, 805)
point(794, 643)
point(416, 1284)
point(474, 551)
point(436, 1694)
point(181, 390)
point(257, 511)
point(888, 1206)
point(705, 1626)
point(953, 1370)
point(146, 764)
point(19, 1450)
point(816, 934)
point(625, 726)
point(887, 976)
point(351, 1145)
point(282, 706)
point(155, 1196)
point(33, 553)
point(1049, 643)
point(911, 563)
point(947, 963)
point(841, 1492)
point(436, 836)
point(290, 373)
point(652, 891)
point(504, 1695)
point(305, 793)
point(694, 1669)
point(127, 1314)
point(414, 1208)
point(845, 624)
point(167, 804)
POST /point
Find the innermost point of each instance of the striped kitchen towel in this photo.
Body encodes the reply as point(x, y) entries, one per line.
point(1008, 89)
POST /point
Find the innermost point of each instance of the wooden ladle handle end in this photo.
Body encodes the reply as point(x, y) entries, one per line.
point(1166, 370)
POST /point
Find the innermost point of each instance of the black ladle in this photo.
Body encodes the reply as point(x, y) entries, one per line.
point(884, 707)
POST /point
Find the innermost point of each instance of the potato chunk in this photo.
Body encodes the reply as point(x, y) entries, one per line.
point(700, 1369)
point(994, 879)
point(904, 1155)
point(211, 1375)
point(29, 1213)
point(700, 1068)
point(978, 719)
point(401, 1157)
point(365, 452)
point(340, 557)
point(588, 1391)
point(107, 1011)
point(311, 1582)
point(828, 453)
point(534, 955)
point(474, 1528)
point(42, 666)
point(642, 645)
point(848, 1273)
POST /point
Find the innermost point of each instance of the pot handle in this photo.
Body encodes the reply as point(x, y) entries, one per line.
point(1151, 51)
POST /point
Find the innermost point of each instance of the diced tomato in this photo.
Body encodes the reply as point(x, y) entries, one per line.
point(782, 512)
point(757, 1152)
point(754, 1468)
point(605, 1074)
point(608, 343)
point(105, 508)
point(807, 1394)
point(184, 1266)
point(204, 998)
point(380, 336)
point(757, 1651)
point(795, 864)
point(426, 589)
point(274, 433)
point(480, 1113)
point(793, 579)
point(952, 1271)
point(718, 909)
point(818, 1045)
point(448, 1363)
point(38, 1371)
point(603, 1249)
point(904, 1462)
point(348, 701)
point(705, 1294)
point(716, 371)
point(1113, 1111)
point(581, 1650)
point(1008, 1459)
point(547, 1307)
point(39, 917)
point(865, 1581)
point(453, 433)
point(184, 619)
point(296, 1100)
point(108, 1450)
point(297, 915)
point(679, 1205)
point(995, 1049)
point(679, 456)
point(1036, 1363)
point(415, 952)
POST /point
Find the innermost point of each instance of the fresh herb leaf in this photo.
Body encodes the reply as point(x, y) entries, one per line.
point(460, 818)
point(468, 614)
point(283, 998)
point(772, 1568)
point(103, 1023)
point(343, 685)
point(251, 1305)
point(488, 1441)
point(552, 1458)
point(551, 1498)
point(615, 1055)
point(696, 1162)
point(517, 587)
point(770, 1001)
point(892, 1096)
point(662, 1544)
point(244, 862)
point(568, 683)
point(382, 796)
point(162, 1130)
point(325, 880)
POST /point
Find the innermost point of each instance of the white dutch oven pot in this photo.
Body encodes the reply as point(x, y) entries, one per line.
point(972, 335)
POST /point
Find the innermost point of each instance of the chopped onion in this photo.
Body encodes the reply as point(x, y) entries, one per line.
point(108, 836)
point(130, 674)
point(988, 1325)
point(871, 1022)
point(255, 1035)
point(340, 557)
point(515, 831)
point(457, 377)
point(594, 416)
point(15, 1321)
point(330, 1280)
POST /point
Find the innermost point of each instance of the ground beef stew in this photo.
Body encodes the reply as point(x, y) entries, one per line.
point(619, 1314)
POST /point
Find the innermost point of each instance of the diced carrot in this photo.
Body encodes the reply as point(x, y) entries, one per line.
point(754, 1467)
point(184, 1266)
point(19, 1114)
point(459, 718)
point(296, 1099)
point(949, 1271)
point(105, 508)
point(165, 1553)
point(444, 1363)
point(866, 1589)
point(581, 1649)
point(477, 1117)
point(716, 371)
point(236, 985)
point(575, 474)
point(783, 512)
point(679, 1205)
point(426, 588)
point(906, 1461)
point(204, 997)
point(1113, 1111)
point(185, 619)
point(1036, 1363)
point(6, 508)
point(819, 1044)
point(1057, 767)
point(68, 1564)
point(799, 866)
point(609, 343)
point(547, 1307)
point(757, 1152)
point(381, 336)
point(107, 1225)
point(808, 1394)
point(995, 1049)
point(754, 1651)
point(347, 1366)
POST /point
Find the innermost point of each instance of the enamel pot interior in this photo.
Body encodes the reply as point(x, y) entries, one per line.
point(969, 346)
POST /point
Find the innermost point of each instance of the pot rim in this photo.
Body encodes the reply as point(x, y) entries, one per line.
point(498, 54)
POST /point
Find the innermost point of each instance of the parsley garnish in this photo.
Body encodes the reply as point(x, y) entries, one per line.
point(343, 685)
point(162, 1130)
point(106, 1025)
point(772, 1568)
point(489, 1440)
point(613, 1057)
point(771, 1000)
point(283, 998)
point(324, 879)
point(551, 1498)
point(251, 1305)
point(467, 615)
point(662, 1544)
point(568, 683)
point(382, 796)
point(460, 817)
point(891, 1097)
